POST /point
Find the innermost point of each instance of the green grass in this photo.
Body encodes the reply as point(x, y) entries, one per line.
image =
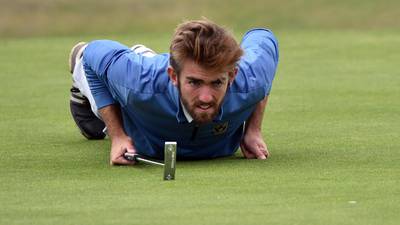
point(63, 17)
point(332, 126)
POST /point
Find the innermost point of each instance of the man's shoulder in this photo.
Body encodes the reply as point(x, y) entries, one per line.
point(99, 46)
point(259, 33)
point(139, 73)
point(258, 64)
point(259, 45)
point(152, 74)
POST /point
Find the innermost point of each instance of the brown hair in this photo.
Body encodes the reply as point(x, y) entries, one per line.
point(207, 44)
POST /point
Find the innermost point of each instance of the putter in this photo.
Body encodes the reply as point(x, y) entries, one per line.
point(169, 160)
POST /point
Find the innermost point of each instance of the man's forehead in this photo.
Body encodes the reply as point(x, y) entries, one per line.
point(210, 77)
point(192, 70)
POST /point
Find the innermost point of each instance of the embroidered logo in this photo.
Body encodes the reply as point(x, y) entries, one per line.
point(220, 128)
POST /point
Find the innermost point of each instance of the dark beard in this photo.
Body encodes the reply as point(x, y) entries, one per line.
point(201, 118)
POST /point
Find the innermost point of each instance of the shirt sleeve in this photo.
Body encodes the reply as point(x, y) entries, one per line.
point(260, 60)
point(97, 60)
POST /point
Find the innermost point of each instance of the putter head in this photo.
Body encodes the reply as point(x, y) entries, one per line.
point(169, 160)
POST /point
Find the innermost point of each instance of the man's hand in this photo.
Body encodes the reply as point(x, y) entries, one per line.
point(120, 142)
point(253, 145)
point(120, 145)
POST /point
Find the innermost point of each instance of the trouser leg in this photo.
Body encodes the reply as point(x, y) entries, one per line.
point(82, 105)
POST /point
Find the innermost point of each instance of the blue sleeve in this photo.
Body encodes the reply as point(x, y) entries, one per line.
point(260, 60)
point(98, 57)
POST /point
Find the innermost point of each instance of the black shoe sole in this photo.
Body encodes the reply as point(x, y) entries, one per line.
point(90, 126)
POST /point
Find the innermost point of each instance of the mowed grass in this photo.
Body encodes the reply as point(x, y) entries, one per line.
point(332, 126)
point(20, 18)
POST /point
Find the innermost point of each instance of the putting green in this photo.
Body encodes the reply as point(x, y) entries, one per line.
point(332, 126)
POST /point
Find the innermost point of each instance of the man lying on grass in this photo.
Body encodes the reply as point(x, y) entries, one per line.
point(208, 94)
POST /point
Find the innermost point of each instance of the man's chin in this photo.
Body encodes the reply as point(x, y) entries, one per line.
point(203, 118)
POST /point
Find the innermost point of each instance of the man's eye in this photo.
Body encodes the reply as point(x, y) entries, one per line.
point(217, 84)
point(194, 82)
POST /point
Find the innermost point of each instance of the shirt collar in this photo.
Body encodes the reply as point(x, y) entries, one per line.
point(188, 117)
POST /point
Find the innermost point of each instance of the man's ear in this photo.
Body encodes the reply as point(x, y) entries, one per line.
point(232, 75)
point(173, 76)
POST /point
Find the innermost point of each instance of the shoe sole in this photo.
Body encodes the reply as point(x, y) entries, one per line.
point(89, 125)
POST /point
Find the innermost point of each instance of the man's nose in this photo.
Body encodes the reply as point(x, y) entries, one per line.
point(205, 95)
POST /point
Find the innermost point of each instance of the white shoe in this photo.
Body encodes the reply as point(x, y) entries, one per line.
point(75, 54)
point(143, 50)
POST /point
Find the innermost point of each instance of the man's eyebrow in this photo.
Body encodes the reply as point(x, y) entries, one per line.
point(193, 78)
point(222, 78)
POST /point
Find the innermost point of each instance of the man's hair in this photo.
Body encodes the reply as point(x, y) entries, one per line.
point(208, 45)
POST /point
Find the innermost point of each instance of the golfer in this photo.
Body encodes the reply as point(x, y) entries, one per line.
point(208, 93)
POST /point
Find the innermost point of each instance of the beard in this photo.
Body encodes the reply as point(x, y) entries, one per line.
point(199, 115)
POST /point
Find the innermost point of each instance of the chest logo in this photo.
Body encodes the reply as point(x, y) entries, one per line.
point(220, 128)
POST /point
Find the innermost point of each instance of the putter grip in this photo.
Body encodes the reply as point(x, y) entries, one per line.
point(130, 156)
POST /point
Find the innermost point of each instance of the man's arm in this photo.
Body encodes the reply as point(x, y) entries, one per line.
point(98, 57)
point(120, 142)
point(103, 59)
point(252, 144)
point(262, 56)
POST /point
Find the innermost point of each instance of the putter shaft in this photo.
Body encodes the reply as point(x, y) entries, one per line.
point(139, 158)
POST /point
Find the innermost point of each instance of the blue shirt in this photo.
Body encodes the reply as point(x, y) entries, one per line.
point(150, 103)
